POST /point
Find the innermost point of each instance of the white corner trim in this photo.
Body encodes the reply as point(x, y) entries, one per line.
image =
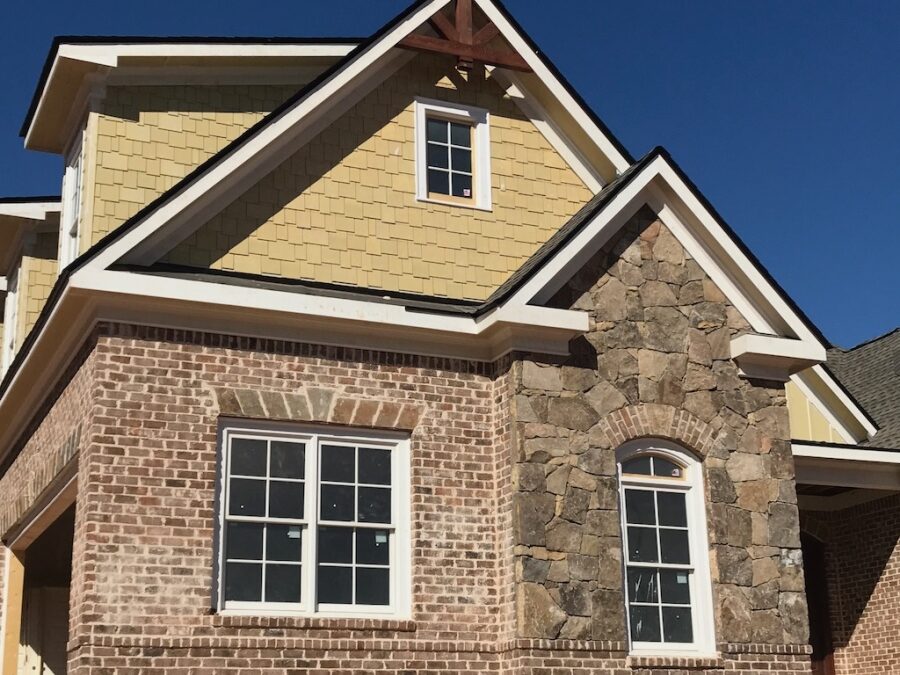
point(518, 43)
point(30, 210)
point(480, 119)
point(771, 357)
point(542, 121)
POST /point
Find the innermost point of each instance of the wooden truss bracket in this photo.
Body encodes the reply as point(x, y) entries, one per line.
point(462, 40)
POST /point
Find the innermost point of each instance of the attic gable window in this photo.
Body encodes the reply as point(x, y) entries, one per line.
point(453, 153)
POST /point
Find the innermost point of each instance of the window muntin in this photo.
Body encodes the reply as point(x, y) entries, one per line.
point(312, 524)
point(449, 158)
point(666, 568)
point(452, 154)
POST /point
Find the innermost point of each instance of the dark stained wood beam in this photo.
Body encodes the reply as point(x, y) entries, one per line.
point(443, 26)
point(464, 42)
point(486, 34)
point(470, 53)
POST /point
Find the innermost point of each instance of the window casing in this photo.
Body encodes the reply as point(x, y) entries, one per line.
point(313, 523)
point(10, 319)
point(666, 559)
point(70, 223)
point(453, 154)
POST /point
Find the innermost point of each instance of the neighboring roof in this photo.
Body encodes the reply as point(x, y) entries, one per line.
point(871, 372)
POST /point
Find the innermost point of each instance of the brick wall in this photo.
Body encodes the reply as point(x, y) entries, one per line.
point(862, 559)
point(343, 209)
point(143, 554)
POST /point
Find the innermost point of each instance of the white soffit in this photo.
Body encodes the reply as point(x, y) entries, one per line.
point(29, 210)
point(818, 464)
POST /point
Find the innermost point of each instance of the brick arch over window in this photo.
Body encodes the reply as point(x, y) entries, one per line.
point(659, 421)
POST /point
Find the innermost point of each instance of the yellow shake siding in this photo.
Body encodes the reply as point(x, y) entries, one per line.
point(149, 137)
point(807, 423)
point(343, 209)
point(38, 275)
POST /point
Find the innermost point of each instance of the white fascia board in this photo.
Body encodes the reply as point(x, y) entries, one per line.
point(543, 122)
point(109, 54)
point(848, 467)
point(30, 210)
point(553, 324)
point(223, 178)
point(772, 357)
point(518, 43)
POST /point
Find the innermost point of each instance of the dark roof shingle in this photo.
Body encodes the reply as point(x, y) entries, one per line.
point(871, 371)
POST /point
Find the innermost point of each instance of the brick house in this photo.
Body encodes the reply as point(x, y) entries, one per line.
point(385, 355)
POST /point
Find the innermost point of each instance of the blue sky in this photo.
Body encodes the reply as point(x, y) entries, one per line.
point(785, 114)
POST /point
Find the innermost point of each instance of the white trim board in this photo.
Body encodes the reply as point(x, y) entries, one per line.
point(29, 210)
point(847, 467)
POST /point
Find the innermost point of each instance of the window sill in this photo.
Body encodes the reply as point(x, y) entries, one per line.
point(688, 661)
point(314, 622)
point(446, 202)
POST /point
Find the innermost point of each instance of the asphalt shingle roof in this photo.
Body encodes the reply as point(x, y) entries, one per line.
point(871, 371)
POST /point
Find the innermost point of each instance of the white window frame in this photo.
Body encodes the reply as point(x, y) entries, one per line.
point(691, 485)
point(400, 552)
point(11, 317)
point(73, 189)
point(479, 119)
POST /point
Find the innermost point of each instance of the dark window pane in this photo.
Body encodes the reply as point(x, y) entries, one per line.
point(671, 509)
point(462, 185)
point(282, 583)
point(677, 624)
point(373, 586)
point(287, 459)
point(436, 130)
point(663, 467)
point(462, 160)
point(284, 542)
point(460, 134)
point(285, 499)
point(439, 181)
point(374, 505)
point(639, 466)
point(437, 156)
point(372, 547)
point(644, 624)
point(338, 464)
point(675, 586)
point(247, 497)
point(674, 545)
point(639, 507)
point(335, 585)
point(642, 585)
point(243, 582)
point(337, 502)
point(244, 540)
point(642, 544)
point(375, 466)
point(248, 457)
point(336, 544)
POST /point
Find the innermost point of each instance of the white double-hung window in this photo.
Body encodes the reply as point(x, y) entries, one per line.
point(314, 523)
point(667, 580)
point(70, 221)
point(453, 154)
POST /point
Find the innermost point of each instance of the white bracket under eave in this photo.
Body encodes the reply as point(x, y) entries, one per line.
point(769, 357)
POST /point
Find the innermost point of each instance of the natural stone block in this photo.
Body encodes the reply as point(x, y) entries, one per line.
point(734, 611)
point(564, 536)
point(657, 294)
point(529, 477)
point(794, 616)
point(743, 466)
point(575, 598)
point(598, 462)
point(576, 628)
point(532, 513)
point(545, 378)
point(578, 379)
point(734, 565)
point(535, 570)
point(583, 567)
point(572, 413)
point(608, 615)
point(558, 481)
point(784, 525)
point(575, 505)
point(538, 614)
point(605, 398)
point(609, 301)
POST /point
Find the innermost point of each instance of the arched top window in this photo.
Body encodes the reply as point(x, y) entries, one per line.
point(668, 594)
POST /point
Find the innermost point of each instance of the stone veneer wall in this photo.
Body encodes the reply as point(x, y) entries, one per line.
point(655, 362)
